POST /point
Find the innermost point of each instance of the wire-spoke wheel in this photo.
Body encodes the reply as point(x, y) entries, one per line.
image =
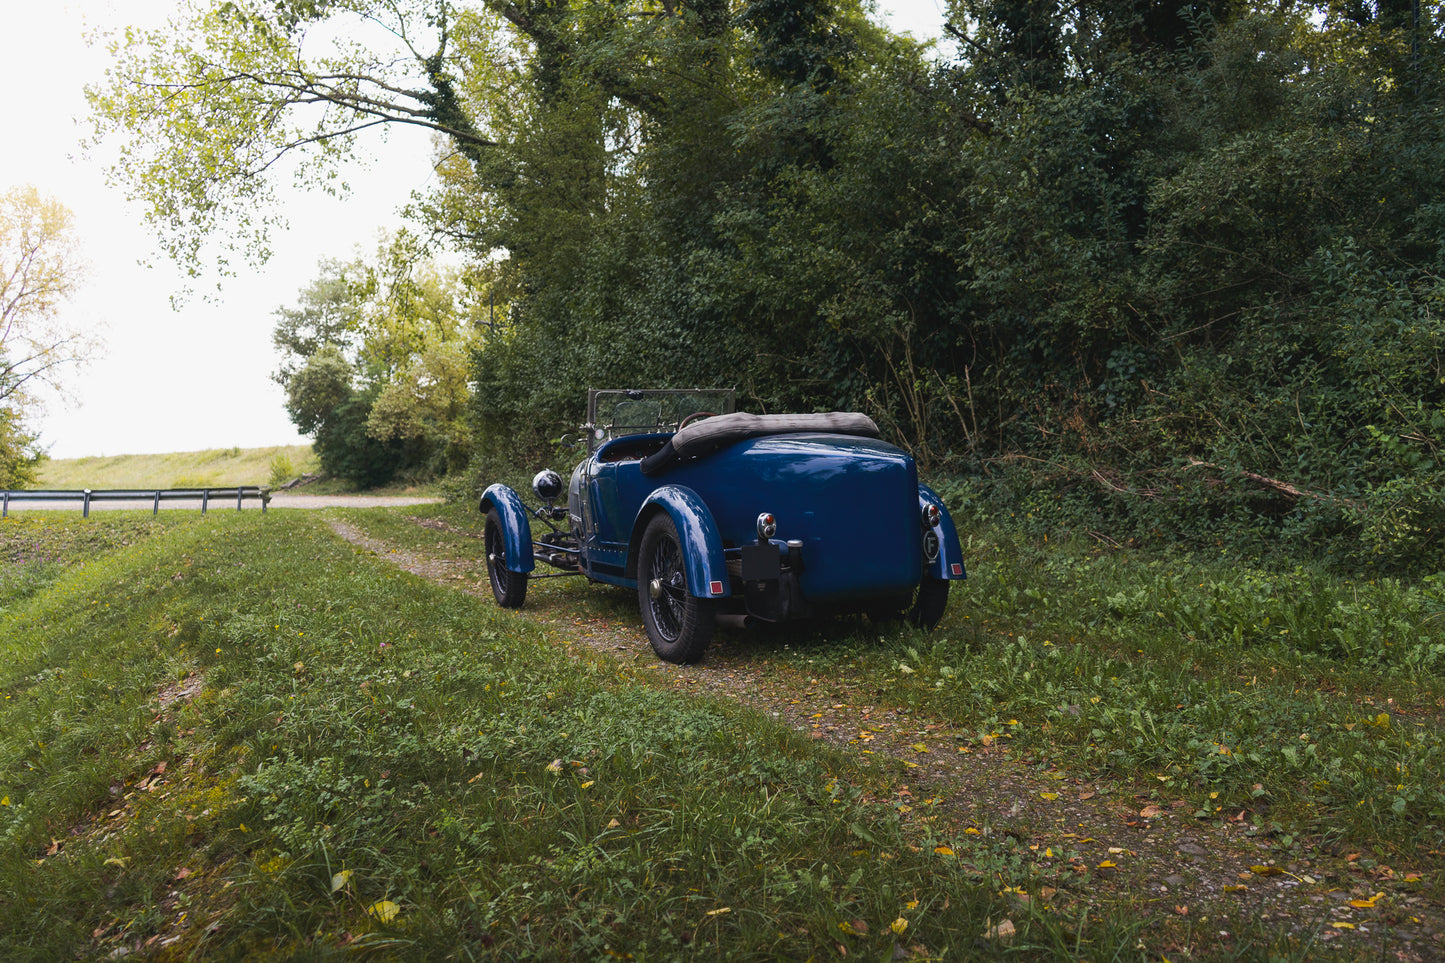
point(679, 625)
point(930, 603)
point(509, 587)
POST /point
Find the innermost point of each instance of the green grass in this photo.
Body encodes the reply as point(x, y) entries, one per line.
point(357, 739)
point(213, 468)
point(1312, 699)
point(237, 737)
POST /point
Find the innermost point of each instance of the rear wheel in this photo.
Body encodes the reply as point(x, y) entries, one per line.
point(679, 625)
point(928, 607)
point(509, 587)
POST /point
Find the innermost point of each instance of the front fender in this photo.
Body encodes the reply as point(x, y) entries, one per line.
point(516, 526)
point(949, 564)
point(702, 550)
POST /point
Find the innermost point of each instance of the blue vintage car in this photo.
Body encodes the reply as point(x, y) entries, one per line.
point(716, 516)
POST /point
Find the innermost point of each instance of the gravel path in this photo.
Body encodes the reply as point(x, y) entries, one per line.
point(1090, 842)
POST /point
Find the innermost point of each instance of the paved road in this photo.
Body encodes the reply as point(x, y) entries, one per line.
point(286, 500)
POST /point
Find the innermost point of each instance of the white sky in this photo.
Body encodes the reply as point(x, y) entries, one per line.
point(198, 376)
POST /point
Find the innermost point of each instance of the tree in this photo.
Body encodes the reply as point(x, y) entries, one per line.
point(375, 364)
point(207, 110)
point(39, 270)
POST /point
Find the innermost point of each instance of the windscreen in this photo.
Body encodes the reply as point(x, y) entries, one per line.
point(612, 414)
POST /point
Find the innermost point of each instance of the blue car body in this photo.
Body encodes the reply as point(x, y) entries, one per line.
point(739, 518)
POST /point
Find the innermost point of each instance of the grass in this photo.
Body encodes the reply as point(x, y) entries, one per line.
point(238, 737)
point(361, 759)
point(213, 468)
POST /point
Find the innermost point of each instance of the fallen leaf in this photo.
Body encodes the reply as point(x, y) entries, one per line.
point(1003, 931)
point(555, 765)
point(1149, 812)
point(1235, 889)
point(182, 873)
point(1107, 864)
point(899, 925)
point(1342, 926)
point(1266, 870)
point(340, 880)
point(384, 910)
point(1182, 910)
point(720, 911)
point(943, 850)
point(1050, 796)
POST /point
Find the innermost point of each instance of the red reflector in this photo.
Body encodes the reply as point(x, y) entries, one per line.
point(956, 568)
point(715, 588)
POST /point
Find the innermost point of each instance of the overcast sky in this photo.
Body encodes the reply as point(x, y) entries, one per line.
point(197, 376)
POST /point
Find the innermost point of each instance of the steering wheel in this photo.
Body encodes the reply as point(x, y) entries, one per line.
point(694, 417)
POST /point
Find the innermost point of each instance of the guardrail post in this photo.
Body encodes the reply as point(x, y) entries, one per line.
point(7, 506)
point(156, 508)
point(205, 497)
point(239, 496)
point(85, 506)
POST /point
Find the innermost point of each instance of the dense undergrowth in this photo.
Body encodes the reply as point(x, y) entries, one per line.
point(236, 736)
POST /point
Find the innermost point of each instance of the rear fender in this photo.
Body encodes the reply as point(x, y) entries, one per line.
point(949, 564)
point(516, 526)
point(702, 550)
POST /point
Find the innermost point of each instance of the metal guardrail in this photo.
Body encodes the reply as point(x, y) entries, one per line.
point(154, 495)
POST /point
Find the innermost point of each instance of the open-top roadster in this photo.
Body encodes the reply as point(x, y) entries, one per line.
point(716, 516)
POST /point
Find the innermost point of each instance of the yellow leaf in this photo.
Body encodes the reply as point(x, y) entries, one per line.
point(1107, 864)
point(588, 784)
point(117, 861)
point(5, 801)
point(384, 910)
point(973, 832)
point(1235, 889)
point(340, 880)
point(919, 747)
point(720, 911)
point(1343, 926)
point(911, 904)
point(555, 765)
point(1266, 870)
point(899, 925)
point(943, 851)
point(1050, 796)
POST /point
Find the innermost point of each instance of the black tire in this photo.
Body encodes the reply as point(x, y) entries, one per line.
point(510, 588)
point(928, 607)
point(679, 625)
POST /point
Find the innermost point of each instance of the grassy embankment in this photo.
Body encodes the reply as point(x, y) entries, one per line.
point(215, 467)
point(236, 736)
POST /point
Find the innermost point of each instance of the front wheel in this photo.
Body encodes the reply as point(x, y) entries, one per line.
point(509, 587)
point(679, 625)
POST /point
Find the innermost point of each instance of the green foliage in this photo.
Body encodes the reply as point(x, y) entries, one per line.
point(283, 470)
point(375, 365)
point(1164, 269)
